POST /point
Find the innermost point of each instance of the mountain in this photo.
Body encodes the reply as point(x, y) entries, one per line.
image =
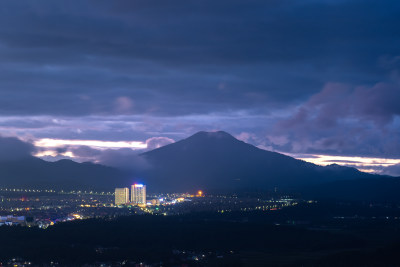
point(216, 161)
point(32, 172)
point(210, 161)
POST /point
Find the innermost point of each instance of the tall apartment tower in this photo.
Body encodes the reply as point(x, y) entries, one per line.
point(121, 196)
point(138, 194)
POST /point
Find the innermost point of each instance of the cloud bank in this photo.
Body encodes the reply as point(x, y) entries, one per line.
point(306, 77)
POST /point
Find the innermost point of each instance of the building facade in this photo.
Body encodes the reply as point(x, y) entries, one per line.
point(121, 196)
point(138, 194)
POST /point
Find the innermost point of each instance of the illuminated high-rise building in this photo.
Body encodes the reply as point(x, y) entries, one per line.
point(121, 196)
point(138, 194)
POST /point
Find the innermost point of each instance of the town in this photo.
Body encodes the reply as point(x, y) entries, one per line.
point(44, 208)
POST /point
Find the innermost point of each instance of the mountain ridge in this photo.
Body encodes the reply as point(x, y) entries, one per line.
point(211, 161)
point(33, 172)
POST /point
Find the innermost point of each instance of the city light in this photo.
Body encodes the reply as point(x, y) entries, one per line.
point(46, 207)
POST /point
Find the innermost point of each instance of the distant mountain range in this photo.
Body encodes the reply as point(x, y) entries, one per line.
point(32, 172)
point(211, 161)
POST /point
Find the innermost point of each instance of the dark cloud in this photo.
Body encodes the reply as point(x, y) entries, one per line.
point(12, 148)
point(378, 103)
point(299, 77)
point(186, 57)
point(61, 150)
point(345, 120)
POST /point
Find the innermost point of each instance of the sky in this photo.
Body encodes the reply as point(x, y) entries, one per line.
point(103, 80)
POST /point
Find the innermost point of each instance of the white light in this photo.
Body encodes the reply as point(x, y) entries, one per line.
point(48, 142)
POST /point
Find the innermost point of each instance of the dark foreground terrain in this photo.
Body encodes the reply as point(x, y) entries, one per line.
point(310, 234)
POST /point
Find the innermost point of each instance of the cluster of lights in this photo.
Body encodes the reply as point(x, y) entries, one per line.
point(27, 190)
point(73, 192)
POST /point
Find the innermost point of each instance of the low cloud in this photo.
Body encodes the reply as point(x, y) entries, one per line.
point(85, 152)
point(245, 137)
point(124, 159)
point(123, 154)
point(157, 142)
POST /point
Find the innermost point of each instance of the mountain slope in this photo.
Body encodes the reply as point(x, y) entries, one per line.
point(218, 161)
point(32, 172)
point(212, 161)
